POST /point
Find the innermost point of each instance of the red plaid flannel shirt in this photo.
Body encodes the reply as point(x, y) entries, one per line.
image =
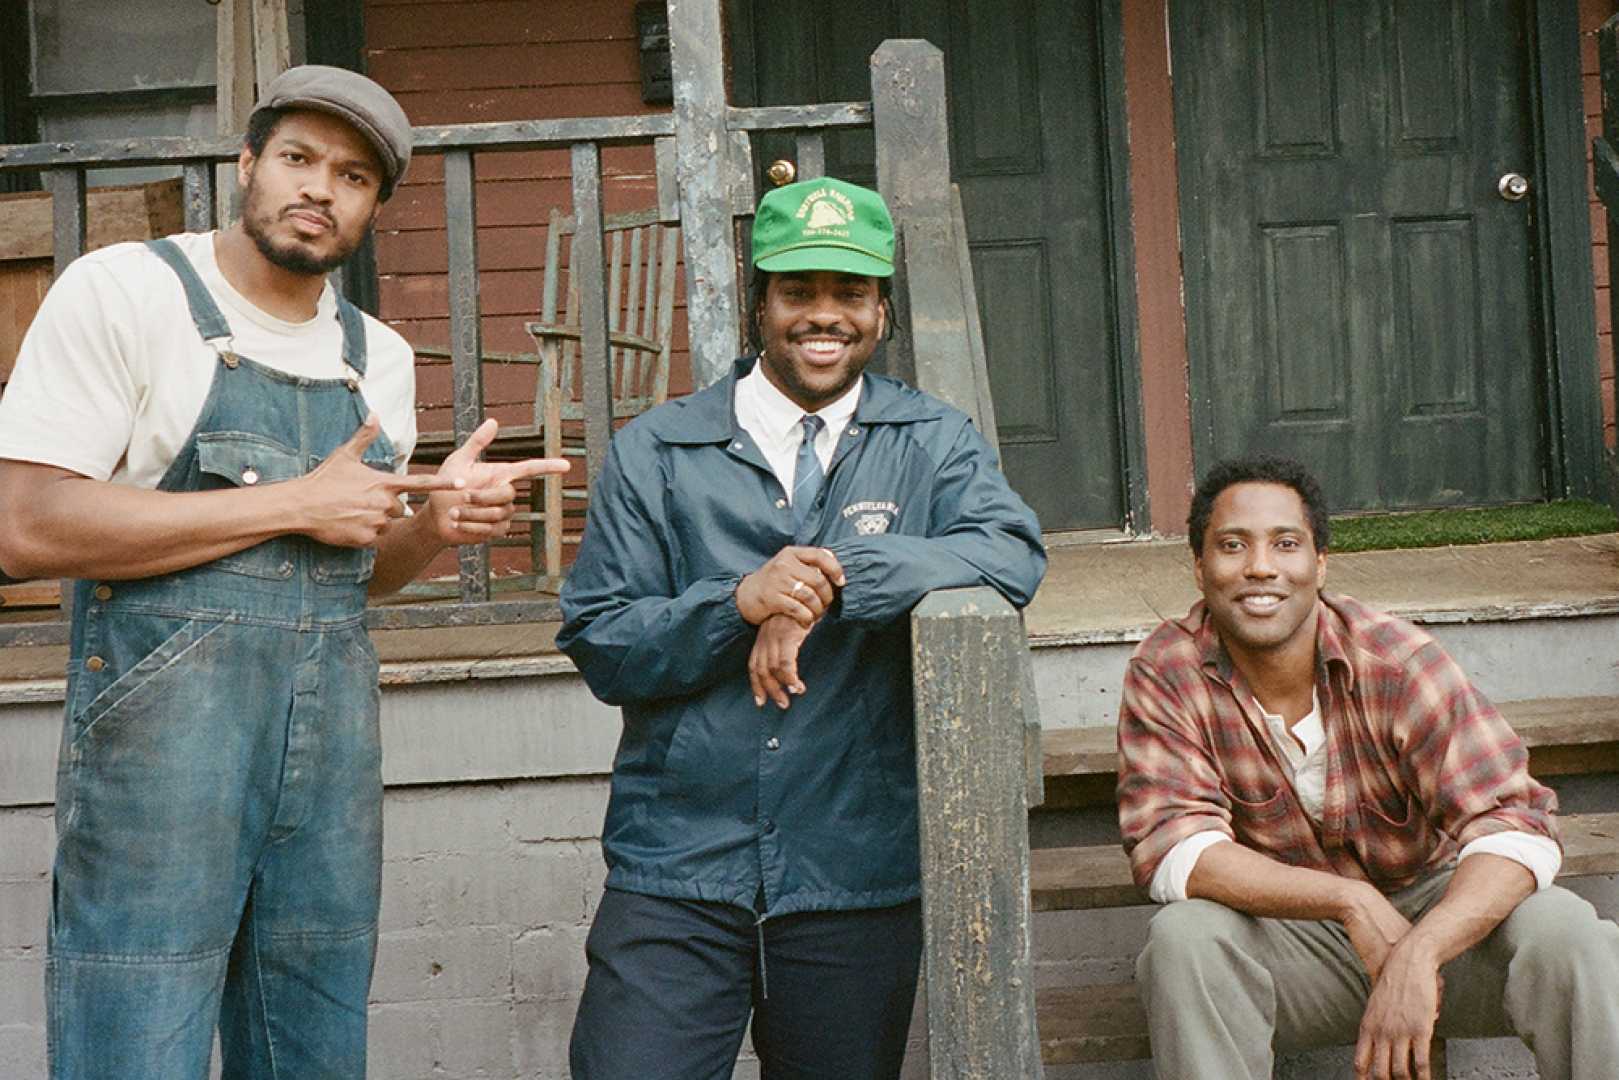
point(1419, 763)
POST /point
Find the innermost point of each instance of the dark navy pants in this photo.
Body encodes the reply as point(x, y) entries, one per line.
point(672, 984)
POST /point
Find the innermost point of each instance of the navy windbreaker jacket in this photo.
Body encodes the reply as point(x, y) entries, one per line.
point(714, 798)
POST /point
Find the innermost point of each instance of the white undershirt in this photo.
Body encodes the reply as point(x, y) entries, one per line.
point(771, 419)
point(1305, 749)
point(112, 375)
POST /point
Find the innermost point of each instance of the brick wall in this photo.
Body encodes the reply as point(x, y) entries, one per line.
point(1593, 13)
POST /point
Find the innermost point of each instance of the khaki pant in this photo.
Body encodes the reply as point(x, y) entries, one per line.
point(1224, 990)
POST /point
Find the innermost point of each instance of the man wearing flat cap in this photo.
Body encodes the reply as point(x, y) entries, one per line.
point(213, 441)
point(750, 558)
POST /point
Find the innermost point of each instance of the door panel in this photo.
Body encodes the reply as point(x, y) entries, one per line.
point(1028, 148)
point(1359, 295)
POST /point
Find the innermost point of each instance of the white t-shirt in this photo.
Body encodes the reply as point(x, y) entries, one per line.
point(112, 375)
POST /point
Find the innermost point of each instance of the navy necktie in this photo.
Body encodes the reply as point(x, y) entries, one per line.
point(807, 475)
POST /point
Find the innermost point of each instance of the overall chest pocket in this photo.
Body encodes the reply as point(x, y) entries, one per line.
point(242, 459)
point(334, 565)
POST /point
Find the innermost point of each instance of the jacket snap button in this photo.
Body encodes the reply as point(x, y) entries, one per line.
point(773, 744)
point(781, 504)
point(103, 592)
point(95, 663)
point(250, 476)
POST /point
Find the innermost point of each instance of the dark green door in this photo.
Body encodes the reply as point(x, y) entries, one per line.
point(1359, 294)
point(1028, 148)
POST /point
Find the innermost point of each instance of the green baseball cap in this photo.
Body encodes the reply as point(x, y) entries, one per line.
point(825, 224)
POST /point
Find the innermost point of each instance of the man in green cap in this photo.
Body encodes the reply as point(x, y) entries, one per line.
point(751, 555)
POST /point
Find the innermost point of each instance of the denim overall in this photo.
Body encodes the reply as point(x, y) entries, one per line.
point(219, 792)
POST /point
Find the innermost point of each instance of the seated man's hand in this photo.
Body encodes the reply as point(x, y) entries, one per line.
point(773, 665)
point(1374, 927)
point(798, 582)
point(1397, 1028)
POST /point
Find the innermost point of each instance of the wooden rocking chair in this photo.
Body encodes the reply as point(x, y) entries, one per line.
point(641, 257)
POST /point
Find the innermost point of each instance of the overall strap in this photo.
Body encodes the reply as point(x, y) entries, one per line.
point(353, 334)
point(204, 312)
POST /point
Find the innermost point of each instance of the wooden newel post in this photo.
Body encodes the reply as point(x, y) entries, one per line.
point(697, 62)
point(911, 124)
point(1605, 167)
point(966, 649)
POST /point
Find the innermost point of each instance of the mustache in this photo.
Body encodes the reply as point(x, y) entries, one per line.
point(309, 208)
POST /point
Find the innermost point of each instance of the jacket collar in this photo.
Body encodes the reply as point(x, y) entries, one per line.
point(709, 415)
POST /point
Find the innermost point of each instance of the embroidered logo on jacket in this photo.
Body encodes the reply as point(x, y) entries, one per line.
point(871, 518)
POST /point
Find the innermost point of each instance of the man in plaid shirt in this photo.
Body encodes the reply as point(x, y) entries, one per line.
point(1385, 826)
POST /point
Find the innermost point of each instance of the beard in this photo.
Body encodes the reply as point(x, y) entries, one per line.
point(289, 255)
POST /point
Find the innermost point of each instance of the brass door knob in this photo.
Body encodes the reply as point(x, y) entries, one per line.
point(781, 172)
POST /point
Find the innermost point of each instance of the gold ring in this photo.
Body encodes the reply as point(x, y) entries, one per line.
point(798, 585)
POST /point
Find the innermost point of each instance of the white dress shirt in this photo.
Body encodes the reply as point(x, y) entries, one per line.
point(772, 420)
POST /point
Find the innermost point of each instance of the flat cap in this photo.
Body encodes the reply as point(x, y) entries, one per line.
point(350, 96)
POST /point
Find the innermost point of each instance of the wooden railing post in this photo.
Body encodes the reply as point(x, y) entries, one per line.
point(69, 234)
point(967, 651)
point(466, 335)
point(68, 216)
point(702, 167)
point(911, 123)
point(587, 273)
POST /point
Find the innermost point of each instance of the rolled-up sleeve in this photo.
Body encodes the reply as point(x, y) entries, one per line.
point(1169, 788)
point(1468, 766)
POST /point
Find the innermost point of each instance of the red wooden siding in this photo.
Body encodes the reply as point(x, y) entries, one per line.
point(450, 61)
point(453, 61)
point(1593, 13)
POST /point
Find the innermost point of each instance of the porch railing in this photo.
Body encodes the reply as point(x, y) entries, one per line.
point(707, 192)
